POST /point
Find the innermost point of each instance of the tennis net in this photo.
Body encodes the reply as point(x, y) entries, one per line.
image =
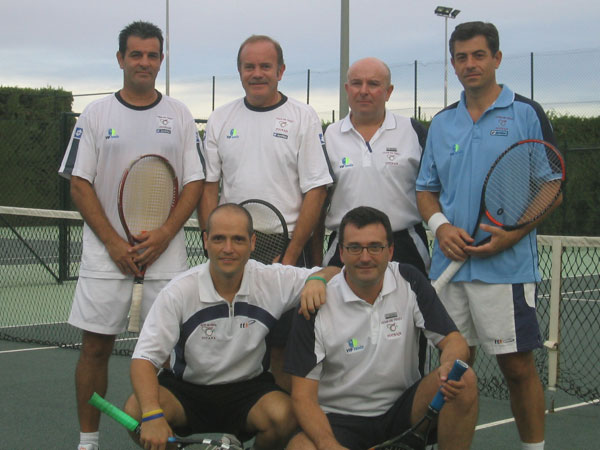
point(41, 251)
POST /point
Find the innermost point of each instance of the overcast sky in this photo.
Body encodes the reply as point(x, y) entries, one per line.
point(72, 43)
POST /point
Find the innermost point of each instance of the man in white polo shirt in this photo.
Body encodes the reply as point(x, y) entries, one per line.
point(356, 364)
point(214, 319)
point(375, 156)
point(268, 146)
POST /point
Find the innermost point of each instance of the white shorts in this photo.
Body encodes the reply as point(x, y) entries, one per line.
point(101, 305)
point(501, 318)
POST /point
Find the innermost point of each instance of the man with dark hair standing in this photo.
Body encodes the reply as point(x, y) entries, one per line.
point(492, 297)
point(109, 135)
point(268, 146)
point(356, 364)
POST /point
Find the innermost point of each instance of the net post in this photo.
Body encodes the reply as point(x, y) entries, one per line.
point(552, 344)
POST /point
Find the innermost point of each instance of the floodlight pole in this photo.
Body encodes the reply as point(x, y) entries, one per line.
point(167, 52)
point(446, 12)
point(344, 55)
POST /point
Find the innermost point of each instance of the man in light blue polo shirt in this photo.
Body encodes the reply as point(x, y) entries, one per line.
point(492, 298)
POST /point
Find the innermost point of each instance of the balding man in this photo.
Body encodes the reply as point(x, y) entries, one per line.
point(214, 319)
point(375, 157)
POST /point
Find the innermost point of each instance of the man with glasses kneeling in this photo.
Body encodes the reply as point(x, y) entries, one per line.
point(357, 364)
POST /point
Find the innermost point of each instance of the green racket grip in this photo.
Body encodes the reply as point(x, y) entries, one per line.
point(112, 411)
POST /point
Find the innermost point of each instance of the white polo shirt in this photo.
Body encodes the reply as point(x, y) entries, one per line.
point(380, 173)
point(214, 341)
point(274, 154)
point(108, 136)
point(365, 356)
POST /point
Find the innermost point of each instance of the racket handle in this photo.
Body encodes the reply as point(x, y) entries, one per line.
point(447, 275)
point(115, 413)
point(456, 372)
point(135, 309)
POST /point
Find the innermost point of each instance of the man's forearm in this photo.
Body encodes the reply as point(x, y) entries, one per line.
point(310, 212)
point(208, 202)
point(145, 384)
point(315, 425)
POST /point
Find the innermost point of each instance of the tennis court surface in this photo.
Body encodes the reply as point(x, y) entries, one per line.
point(39, 260)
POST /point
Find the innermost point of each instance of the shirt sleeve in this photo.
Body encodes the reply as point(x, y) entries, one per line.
point(429, 314)
point(193, 160)
point(211, 148)
point(160, 331)
point(81, 157)
point(313, 164)
point(304, 353)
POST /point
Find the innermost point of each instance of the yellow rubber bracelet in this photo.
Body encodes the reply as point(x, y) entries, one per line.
point(151, 413)
point(315, 277)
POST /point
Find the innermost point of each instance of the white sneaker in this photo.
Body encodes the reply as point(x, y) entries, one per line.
point(87, 447)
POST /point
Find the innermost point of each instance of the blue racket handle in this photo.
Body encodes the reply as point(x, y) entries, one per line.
point(457, 371)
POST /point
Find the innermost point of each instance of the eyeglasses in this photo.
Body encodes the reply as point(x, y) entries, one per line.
point(373, 249)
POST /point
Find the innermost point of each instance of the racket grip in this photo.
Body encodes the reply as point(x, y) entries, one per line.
point(136, 308)
point(447, 275)
point(456, 372)
point(115, 413)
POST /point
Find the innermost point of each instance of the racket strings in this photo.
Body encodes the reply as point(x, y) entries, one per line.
point(270, 231)
point(523, 184)
point(148, 195)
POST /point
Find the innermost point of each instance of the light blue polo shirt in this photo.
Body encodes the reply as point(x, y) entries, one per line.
point(456, 160)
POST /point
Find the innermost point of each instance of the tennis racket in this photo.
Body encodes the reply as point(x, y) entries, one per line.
point(522, 184)
point(147, 194)
point(270, 229)
point(414, 438)
point(121, 417)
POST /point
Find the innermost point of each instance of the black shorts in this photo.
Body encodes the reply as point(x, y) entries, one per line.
point(221, 408)
point(359, 432)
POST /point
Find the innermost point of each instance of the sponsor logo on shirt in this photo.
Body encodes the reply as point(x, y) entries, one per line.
point(353, 346)
point(208, 331)
point(391, 326)
point(282, 128)
point(346, 162)
point(165, 125)
point(233, 134)
point(247, 324)
point(78, 133)
point(502, 127)
point(321, 138)
point(503, 341)
point(111, 134)
point(391, 155)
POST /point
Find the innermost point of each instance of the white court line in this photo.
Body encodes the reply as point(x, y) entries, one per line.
point(562, 408)
point(18, 350)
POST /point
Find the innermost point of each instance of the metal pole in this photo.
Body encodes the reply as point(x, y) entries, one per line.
point(167, 52)
point(213, 93)
point(531, 75)
point(308, 87)
point(344, 52)
point(445, 62)
point(415, 113)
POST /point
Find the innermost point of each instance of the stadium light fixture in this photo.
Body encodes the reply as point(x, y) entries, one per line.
point(446, 12)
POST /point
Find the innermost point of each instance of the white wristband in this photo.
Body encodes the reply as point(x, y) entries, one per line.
point(435, 221)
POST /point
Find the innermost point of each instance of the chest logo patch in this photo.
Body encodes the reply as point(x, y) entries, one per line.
point(165, 124)
point(391, 326)
point(352, 346)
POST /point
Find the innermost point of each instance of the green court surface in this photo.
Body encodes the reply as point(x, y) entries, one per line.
point(38, 407)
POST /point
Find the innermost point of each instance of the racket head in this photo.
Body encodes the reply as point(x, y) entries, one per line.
point(270, 229)
point(147, 193)
point(523, 184)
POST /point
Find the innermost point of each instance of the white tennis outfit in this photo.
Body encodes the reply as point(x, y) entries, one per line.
point(109, 135)
point(214, 341)
point(365, 356)
point(274, 154)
